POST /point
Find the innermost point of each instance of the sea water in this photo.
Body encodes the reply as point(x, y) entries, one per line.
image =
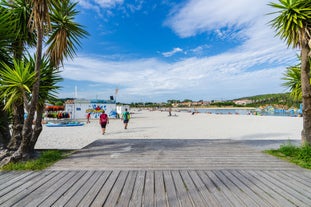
point(262, 112)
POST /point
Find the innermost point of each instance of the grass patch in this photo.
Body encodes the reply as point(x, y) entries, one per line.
point(45, 159)
point(299, 155)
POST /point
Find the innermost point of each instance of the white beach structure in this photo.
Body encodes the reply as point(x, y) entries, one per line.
point(121, 109)
point(79, 108)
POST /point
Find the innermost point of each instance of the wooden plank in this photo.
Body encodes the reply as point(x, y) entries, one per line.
point(194, 193)
point(33, 187)
point(260, 194)
point(170, 189)
point(127, 191)
point(16, 183)
point(148, 197)
point(9, 175)
point(102, 195)
point(275, 186)
point(303, 177)
point(222, 187)
point(13, 182)
point(299, 177)
point(181, 190)
point(137, 196)
point(219, 195)
point(294, 190)
point(116, 189)
point(88, 199)
point(60, 191)
point(250, 195)
point(83, 190)
point(209, 198)
point(160, 194)
point(42, 193)
point(274, 197)
point(235, 189)
point(171, 154)
point(16, 193)
point(297, 182)
point(77, 191)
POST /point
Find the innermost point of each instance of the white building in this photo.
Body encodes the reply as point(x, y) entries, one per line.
point(79, 108)
point(121, 109)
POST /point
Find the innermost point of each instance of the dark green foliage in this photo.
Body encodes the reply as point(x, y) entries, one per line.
point(298, 155)
point(46, 159)
point(283, 99)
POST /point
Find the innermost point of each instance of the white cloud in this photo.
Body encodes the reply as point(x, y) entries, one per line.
point(173, 52)
point(254, 67)
point(109, 3)
point(232, 74)
point(198, 16)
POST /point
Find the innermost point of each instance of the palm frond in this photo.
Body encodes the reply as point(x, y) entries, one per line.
point(66, 33)
point(15, 82)
point(293, 21)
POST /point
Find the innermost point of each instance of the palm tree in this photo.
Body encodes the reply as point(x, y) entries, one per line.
point(16, 82)
point(63, 36)
point(292, 78)
point(6, 34)
point(19, 14)
point(39, 23)
point(293, 24)
point(66, 33)
point(48, 90)
point(15, 87)
point(63, 40)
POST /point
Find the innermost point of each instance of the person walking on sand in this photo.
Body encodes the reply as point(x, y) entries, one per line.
point(103, 121)
point(88, 116)
point(126, 118)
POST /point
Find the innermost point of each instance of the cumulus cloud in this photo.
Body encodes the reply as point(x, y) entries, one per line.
point(198, 16)
point(254, 67)
point(173, 52)
point(231, 74)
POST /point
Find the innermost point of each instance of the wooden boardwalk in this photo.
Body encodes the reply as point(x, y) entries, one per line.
point(166, 173)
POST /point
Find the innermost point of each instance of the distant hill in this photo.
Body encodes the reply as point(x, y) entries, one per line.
point(278, 100)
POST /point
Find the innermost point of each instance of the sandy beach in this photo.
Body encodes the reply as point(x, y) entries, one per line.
point(182, 125)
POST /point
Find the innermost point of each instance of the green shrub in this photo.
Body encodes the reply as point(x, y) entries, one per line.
point(298, 155)
point(46, 159)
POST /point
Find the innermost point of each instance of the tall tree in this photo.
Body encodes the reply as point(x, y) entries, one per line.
point(48, 89)
point(6, 34)
point(293, 24)
point(63, 37)
point(19, 11)
point(14, 86)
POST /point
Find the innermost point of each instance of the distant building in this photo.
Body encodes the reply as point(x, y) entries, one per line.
point(243, 102)
point(79, 108)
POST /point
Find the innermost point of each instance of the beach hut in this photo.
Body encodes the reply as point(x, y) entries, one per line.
point(79, 108)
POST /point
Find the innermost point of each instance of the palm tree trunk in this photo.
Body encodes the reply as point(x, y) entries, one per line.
point(18, 122)
point(37, 129)
point(25, 147)
point(306, 94)
point(5, 135)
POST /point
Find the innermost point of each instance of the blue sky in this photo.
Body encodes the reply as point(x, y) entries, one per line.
point(169, 49)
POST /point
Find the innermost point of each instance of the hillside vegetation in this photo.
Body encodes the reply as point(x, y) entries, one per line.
point(279, 100)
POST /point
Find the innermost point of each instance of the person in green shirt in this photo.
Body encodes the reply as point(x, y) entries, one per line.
point(126, 118)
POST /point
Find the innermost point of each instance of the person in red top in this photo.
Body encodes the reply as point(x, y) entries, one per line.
point(88, 116)
point(103, 121)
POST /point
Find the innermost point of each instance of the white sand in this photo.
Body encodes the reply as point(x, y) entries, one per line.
point(158, 125)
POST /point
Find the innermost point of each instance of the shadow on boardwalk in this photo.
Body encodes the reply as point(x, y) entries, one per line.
point(162, 173)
